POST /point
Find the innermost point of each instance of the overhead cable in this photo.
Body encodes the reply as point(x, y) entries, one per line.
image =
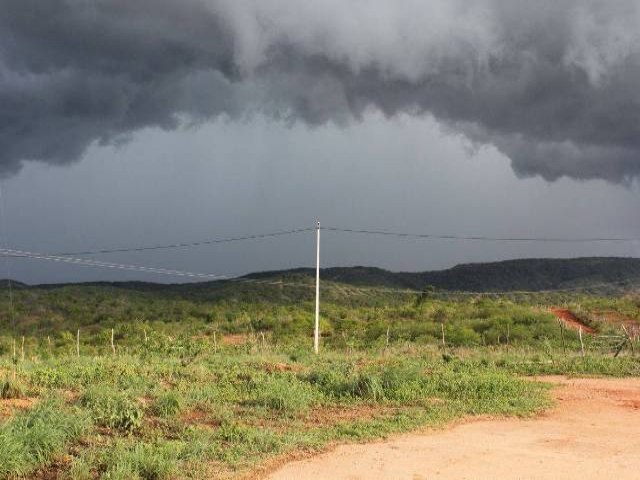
point(185, 244)
point(429, 236)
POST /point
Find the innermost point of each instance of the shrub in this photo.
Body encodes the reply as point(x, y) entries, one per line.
point(285, 394)
point(168, 404)
point(113, 409)
point(11, 389)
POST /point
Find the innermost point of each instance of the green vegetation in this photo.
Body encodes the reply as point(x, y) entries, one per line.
point(226, 411)
point(212, 380)
point(32, 439)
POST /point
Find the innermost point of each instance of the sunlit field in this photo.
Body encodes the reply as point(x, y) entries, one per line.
point(207, 382)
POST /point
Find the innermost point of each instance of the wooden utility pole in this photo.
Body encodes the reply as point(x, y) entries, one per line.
point(316, 330)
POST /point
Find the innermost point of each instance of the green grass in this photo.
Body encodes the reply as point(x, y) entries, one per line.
point(230, 410)
point(31, 440)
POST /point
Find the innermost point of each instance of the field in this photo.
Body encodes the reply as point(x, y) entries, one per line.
point(218, 380)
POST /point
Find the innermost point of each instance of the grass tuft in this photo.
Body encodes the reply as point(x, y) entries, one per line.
point(34, 438)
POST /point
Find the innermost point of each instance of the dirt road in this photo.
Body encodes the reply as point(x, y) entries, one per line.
point(593, 433)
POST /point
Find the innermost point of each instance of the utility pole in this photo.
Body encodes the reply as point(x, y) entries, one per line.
point(316, 331)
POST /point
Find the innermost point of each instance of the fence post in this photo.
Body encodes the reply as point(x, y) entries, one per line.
point(629, 338)
point(113, 347)
point(581, 343)
point(564, 345)
point(78, 343)
point(386, 345)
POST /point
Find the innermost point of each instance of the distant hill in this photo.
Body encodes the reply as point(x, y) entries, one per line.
point(525, 274)
point(510, 275)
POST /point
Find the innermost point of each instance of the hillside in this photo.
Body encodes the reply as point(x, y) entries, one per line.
point(524, 274)
point(504, 276)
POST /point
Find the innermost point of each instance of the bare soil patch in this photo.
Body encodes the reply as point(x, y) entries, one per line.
point(282, 367)
point(235, 339)
point(199, 417)
point(571, 321)
point(592, 433)
point(9, 406)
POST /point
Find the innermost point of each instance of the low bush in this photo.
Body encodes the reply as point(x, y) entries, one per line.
point(11, 389)
point(168, 404)
point(112, 409)
point(283, 393)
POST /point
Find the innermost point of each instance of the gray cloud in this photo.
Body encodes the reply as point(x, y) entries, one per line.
point(551, 84)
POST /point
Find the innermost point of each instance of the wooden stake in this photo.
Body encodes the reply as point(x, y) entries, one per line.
point(386, 345)
point(564, 345)
point(626, 332)
point(49, 343)
point(444, 344)
point(78, 343)
point(22, 349)
point(15, 360)
point(113, 347)
point(215, 343)
point(581, 343)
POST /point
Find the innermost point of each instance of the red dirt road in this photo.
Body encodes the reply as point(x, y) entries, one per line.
point(593, 433)
point(571, 320)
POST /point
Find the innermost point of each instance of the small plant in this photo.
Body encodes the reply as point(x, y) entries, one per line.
point(285, 394)
point(168, 404)
point(152, 461)
point(11, 389)
point(113, 409)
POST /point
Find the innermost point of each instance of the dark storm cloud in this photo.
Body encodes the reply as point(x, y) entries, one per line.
point(552, 85)
point(73, 72)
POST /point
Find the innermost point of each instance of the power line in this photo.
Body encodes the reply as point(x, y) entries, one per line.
point(6, 252)
point(478, 238)
point(95, 263)
point(388, 233)
point(348, 289)
point(186, 244)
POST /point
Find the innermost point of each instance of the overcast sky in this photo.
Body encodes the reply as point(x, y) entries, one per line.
point(126, 124)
